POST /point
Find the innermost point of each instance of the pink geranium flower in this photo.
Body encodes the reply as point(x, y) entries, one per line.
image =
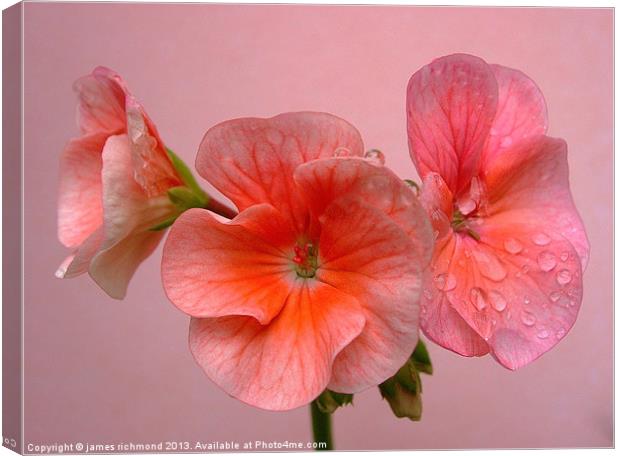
point(316, 282)
point(506, 275)
point(113, 184)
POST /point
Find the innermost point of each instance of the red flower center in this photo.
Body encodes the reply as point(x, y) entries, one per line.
point(305, 259)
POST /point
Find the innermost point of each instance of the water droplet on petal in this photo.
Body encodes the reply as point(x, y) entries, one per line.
point(342, 152)
point(506, 142)
point(526, 300)
point(541, 239)
point(546, 261)
point(563, 277)
point(490, 266)
point(445, 282)
point(527, 318)
point(512, 246)
point(497, 300)
point(375, 156)
point(564, 256)
point(477, 298)
point(555, 296)
point(428, 294)
point(543, 334)
point(466, 206)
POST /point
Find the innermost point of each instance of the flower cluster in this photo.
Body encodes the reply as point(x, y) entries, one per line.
point(318, 286)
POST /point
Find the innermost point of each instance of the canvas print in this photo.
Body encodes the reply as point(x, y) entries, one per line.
point(301, 227)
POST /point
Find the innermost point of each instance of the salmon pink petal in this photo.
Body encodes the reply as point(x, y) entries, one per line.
point(114, 267)
point(101, 102)
point(363, 253)
point(79, 203)
point(438, 319)
point(126, 206)
point(244, 267)
point(287, 363)
point(153, 169)
point(530, 185)
point(521, 112)
point(78, 262)
point(252, 161)
point(519, 296)
point(323, 181)
point(437, 201)
point(451, 104)
point(444, 326)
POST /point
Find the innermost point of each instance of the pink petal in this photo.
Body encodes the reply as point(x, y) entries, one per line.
point(438, 319)
point(78, 262)
point(252, 161)
point(244, 267)
point(365, 254)
point(101, 102)
point(530, 185)
point(114, 267)
point(322, 181)
point(287, 363)
point(519, 296)
point(114, 253)
point(521, 112)
point(437, 200)
point(127, 208)
point(79, 202)
point(153, 169)
point(451, 104)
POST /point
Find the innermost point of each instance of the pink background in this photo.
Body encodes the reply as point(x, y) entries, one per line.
point(103, 371)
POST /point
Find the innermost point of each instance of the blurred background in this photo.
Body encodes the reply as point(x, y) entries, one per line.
point(104, 371)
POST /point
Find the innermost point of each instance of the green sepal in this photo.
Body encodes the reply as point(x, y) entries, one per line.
point(329, 401)
point(421, 359)
point(403, 392)
point(163, 225)
point(186, 175)
point(184, 198)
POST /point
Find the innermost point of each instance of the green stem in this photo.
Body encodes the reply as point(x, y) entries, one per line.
point(321, 428)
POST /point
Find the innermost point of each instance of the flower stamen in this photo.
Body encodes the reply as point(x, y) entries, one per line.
point(305, 259)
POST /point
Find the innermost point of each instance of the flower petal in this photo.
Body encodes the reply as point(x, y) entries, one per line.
point(287, 363)
point(79, 202)
point(451, 104)
point(101, 102)
point(518, 295)
point(244, 267)
point(252, 161)
point(114, 267)
point(440, 322)
point(521, 112)
point(323, 181)
point(365, 254)
point(437, 200)
point(126, 206)
point(153, 169)
point(78, 262)
point(530, 185)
